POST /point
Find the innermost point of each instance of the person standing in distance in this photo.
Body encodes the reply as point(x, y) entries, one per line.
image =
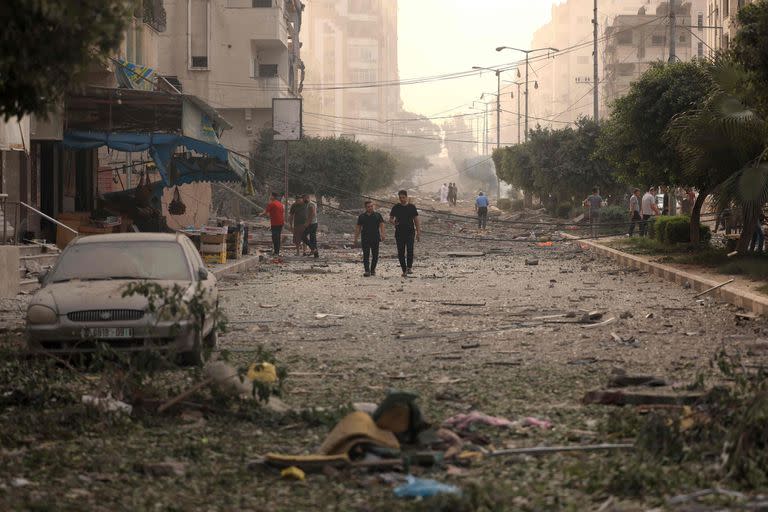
point(405, 218)
point(276, 213)
point(481, 207)
point(310, 226)
point(594, 203)
point(634, 211)
point(648, 209)
point(370, 225)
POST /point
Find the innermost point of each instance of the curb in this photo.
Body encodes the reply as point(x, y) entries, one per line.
point(236, 266)
point(744, 299)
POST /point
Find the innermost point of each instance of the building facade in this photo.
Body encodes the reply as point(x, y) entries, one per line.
point(237, 55)
point(720, 22)
point(351, 51)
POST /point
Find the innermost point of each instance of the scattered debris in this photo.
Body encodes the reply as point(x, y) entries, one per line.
point(320, 316)
point(538, 450)
point(713, 288)
point(464, 421)
point(293, 473)
point(531, 261)
point(613, 397)
point(168, 467)
point(424, 488)
point(107, 404)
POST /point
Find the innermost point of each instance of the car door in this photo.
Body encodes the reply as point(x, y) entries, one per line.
point(209, 283)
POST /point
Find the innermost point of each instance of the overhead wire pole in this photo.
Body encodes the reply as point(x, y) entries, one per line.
point(596, 76)
point(672, 27)
point(498, 118)
point(527, 55)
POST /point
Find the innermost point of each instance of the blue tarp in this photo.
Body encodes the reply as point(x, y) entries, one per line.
point(161, 147)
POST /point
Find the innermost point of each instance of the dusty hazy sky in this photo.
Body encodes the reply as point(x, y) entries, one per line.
point(438, 37)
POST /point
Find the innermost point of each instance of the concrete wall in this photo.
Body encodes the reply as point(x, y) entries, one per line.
point(9, 271)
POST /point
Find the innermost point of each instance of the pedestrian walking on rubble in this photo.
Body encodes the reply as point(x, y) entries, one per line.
point(276, 213)
point(594, 203)
point(758, 237)
point(481, 207)
point(648, 209)
point(405, 218)
point(310, 227)
point(444, 193)
point(370, 230)
point(297, 217)
point(634, 211)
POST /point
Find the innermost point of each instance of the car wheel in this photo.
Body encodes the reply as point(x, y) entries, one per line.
point(201, 352)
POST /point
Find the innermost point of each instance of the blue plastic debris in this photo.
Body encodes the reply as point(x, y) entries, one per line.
point(424, 488)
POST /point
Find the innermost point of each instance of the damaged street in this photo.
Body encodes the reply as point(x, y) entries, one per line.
point(516, 370)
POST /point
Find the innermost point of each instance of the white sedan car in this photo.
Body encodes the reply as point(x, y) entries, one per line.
point(81, 302)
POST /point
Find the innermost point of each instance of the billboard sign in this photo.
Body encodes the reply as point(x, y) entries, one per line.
point(286, 118)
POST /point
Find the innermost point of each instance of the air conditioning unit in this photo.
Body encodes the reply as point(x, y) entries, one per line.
point(249, 129)
point(247, 114)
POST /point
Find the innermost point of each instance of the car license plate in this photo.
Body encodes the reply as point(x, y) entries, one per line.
point(109, 332)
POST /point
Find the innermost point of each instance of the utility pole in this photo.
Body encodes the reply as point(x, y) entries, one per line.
point(596, 77)
point(672, 27)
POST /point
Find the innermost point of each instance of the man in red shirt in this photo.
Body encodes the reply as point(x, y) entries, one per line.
point(276, 213)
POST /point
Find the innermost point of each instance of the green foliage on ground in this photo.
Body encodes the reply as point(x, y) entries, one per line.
point(47, 45)
point(504, 203)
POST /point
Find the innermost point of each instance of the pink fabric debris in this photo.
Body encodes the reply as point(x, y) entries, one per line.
point(464, 421)
point(530, 421)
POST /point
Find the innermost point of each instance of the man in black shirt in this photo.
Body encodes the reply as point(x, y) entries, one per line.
point(405, 217)
point(371, 225)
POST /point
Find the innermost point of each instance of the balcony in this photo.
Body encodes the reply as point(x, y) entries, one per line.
point(265, 25)
point(258, 95)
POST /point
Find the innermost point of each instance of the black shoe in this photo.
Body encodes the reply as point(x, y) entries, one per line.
point(367, 274)
point(373, 272)
point(409, 271)
point(317, 255)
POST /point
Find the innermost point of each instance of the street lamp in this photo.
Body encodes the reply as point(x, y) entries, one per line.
point(485, 123)
point(519, 114)
point(527, 55)
point(498, 117)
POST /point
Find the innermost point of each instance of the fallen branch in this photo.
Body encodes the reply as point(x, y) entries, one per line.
point(186, 394)
point(535, 450)
point(713, 288)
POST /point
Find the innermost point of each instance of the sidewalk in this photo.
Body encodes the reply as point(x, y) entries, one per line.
point(737, 293)
point(235, 266)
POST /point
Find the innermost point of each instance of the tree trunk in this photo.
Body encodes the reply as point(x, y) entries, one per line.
point(748, 228)
point(696, 217)
point(527, 199)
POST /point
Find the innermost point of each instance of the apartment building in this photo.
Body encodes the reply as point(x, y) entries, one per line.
point(720, 22)
point(634, 42)
point(350, 49)
point(632, 34)
point(237, 55)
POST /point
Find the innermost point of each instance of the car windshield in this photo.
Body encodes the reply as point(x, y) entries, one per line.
point(122, 260)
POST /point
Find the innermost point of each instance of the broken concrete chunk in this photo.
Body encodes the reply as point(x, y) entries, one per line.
point(613, 397)
point(531, 261)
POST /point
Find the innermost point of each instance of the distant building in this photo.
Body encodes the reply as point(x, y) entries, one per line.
point(350, 50)
point(634, 42)
point(632, 34)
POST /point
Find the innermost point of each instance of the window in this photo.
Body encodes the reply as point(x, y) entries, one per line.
point(726, 8)
point(267, 70)
point(198, 33)
point(700, 21)
point(658, 40)
point(625, 69)
point(363, 75)
point(682, 38)
point(701, 50)
point(625, 37)
point(261, 3)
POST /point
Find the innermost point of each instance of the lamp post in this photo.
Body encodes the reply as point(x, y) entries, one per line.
point(519, 115)
point(485, 124)
point(527, 55)
point(498, 117)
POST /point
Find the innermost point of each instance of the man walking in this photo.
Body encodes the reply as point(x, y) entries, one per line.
point(297, 217)
point(634, 211)
point(594, 202)
point(370, 229)
point(405, 217)
point(310, 226)
point(444, 193)
point(648, 209)
point(276, 213)
point(481, 207)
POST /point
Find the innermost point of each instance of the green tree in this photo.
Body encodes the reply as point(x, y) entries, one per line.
point(514, 165)
point(46, 46)
point(633, 141)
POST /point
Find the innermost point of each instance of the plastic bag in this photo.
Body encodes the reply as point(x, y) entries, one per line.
point(177, 206)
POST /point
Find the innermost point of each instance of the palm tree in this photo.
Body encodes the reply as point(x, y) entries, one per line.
point(724, 145)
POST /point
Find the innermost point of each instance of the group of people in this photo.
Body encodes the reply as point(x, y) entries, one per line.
point(449, 193)
point(302, 220)
point(642, 210)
